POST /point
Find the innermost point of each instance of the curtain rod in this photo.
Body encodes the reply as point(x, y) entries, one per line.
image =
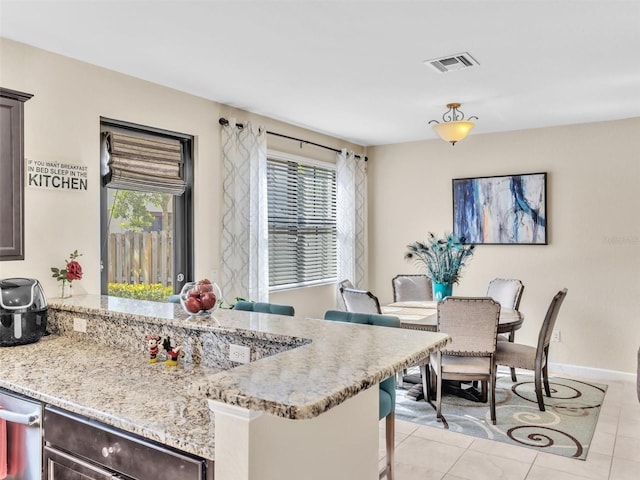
point(223, 121)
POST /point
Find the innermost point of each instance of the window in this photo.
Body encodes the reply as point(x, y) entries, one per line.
point(302, 221)
point(146, 220)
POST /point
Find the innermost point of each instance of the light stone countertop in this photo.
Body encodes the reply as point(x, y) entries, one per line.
point(169, 405)
point(115, 387)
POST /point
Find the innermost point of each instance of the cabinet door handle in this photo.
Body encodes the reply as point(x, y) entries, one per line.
point(115, 448)
point(30, 419)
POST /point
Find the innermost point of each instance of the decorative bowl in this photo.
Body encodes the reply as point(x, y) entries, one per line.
point(200, 298)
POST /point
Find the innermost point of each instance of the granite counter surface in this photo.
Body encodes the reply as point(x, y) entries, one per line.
point(327, 363)
point(118, 388)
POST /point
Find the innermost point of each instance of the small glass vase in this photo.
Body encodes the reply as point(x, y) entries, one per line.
point(441, 290)
point(64, 291)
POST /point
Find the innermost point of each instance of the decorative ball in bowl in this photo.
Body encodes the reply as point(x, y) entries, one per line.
point(200, 298)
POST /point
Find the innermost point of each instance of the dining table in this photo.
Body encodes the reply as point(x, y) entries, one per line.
point(423, 315)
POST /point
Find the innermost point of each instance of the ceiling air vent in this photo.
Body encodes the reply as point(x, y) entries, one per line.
point(452, 62)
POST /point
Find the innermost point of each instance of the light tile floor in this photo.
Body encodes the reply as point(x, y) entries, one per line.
point(425, 453)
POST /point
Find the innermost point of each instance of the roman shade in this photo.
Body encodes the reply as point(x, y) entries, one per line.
point(148, 164)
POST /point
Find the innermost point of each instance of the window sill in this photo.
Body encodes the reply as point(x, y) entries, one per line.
point(298, 286)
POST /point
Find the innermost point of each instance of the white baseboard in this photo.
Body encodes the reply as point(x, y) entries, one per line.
point(591, 373)
point(585, 372)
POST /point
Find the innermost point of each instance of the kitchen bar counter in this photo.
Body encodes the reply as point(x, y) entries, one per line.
point(115, 387)
point(300, 369)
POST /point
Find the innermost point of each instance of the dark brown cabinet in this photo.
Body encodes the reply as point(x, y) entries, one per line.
point(77, 447)
point(12, 174)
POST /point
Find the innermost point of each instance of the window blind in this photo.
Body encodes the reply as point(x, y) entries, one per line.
point(302, 223)
point(143, 163)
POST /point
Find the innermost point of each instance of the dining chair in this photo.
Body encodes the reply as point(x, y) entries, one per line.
point(472, 324)
point(346, 283)
point(360, 301)
point(387, 387)
point(508, 293)
point(407, 288)
point(264, 307)
point(516, 355)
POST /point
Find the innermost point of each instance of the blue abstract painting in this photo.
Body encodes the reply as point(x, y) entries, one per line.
point(509, 209)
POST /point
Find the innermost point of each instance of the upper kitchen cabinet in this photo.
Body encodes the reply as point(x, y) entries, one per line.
point(12, 173)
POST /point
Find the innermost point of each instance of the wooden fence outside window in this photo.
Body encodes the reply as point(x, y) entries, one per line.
point(141, 257)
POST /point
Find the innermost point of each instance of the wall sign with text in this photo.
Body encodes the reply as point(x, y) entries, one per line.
point(56, 175)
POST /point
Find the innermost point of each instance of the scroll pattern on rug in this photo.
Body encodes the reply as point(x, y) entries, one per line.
point(565, 428)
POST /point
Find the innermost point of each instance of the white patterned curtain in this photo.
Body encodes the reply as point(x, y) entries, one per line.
point(245, 259)
point(351, 203)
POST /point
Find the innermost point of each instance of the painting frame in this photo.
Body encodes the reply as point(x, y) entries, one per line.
point(501, 209)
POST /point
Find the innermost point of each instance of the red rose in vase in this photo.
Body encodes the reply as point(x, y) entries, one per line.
point(74, 271)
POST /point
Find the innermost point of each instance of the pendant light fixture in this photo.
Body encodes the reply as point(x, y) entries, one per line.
point(453, 127)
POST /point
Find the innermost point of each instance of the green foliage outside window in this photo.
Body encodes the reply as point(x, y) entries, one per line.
point(141, 291)
point(131, 206)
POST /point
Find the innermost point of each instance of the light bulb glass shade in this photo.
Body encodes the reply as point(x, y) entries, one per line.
point(453, 131)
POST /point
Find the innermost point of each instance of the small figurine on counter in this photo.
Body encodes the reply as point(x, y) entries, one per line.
point(153, 342)
point(172, 350)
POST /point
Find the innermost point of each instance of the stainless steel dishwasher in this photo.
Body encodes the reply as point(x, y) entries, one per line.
point(23, 448)
point(79, 448)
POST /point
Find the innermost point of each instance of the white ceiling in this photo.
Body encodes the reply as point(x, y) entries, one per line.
point(354, 69)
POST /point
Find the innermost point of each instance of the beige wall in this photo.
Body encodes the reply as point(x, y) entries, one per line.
point(594, 228)
point(593, 220)
point(62, 123)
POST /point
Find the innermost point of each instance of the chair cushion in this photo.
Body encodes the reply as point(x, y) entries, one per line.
point(462, 365)
point(515, 355)
point(243, 305)
point(273, 308)
point(363, 318)
point(264, 307)
point(385, 407)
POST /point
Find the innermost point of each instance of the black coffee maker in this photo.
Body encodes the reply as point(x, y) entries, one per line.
point(23, 311)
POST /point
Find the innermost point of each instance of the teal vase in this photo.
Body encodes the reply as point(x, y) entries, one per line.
point(441, 290)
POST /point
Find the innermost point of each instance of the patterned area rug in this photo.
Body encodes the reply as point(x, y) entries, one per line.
point(565, 428)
